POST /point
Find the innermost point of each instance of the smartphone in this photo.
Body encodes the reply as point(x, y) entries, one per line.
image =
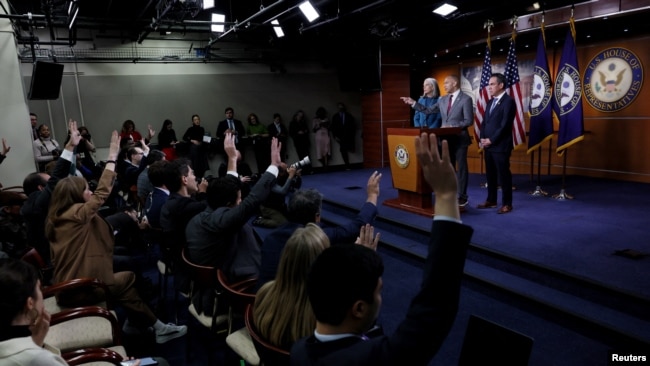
point(147, 361)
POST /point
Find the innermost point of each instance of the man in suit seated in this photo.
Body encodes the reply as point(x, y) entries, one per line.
point(345, 285)
point(304, 207)
point(219, 236)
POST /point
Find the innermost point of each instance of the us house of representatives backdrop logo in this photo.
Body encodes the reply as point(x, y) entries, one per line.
point(540, 96)
point(568, 89)
point(613, 79)
point(401, 156)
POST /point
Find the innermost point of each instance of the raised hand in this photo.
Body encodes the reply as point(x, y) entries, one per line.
point(276, 146)
point(5, 148)
point(75, 136)
point(367, 237)
point(114, 147)
point(439, 173)
point(372, 188)
point(152, 132)
point(229, 146)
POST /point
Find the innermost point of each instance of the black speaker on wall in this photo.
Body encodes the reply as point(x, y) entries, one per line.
point(360, 72)
point(46, 81)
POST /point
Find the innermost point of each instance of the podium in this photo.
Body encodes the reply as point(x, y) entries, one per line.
point(413, 192)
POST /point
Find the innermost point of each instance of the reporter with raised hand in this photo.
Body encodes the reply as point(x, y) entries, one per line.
point(345, 285)
point(82, 245)
point(38, 187)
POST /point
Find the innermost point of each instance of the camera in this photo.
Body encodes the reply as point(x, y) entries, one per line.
point(305, 162)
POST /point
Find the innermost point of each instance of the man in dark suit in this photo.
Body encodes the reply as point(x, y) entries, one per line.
point(278, 130)
point(157, 198)
point(304, 207)
point(456, 110)
point(345, 285)
point(218, 236)
point(496, 141)
point(344, 130)
point(232, 126)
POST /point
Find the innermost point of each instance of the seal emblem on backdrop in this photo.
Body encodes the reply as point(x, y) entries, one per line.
point(401, 156)
point(540, 95)
point(613, 79)
point(568, 89)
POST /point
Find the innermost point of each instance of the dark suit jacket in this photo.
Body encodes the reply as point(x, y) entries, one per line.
point(34, 210)
point(275, 241)
point(153, 207)
point(427, 323)
point(460, 115)
point(223, 126)
point(344, 131)
point(497, 125)
point(210, 232)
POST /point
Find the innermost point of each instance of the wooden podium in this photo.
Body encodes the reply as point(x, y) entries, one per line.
point(413, 192)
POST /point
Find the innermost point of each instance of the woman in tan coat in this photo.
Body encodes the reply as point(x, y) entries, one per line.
point(82, 244)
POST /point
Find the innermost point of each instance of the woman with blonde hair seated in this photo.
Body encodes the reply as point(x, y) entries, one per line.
point(279, 325)
point(24, 322)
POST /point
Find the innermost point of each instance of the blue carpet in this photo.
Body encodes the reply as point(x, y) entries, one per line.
point(577, 236)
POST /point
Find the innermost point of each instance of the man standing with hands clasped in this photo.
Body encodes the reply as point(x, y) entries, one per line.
point(456, 110)
point(496, 141)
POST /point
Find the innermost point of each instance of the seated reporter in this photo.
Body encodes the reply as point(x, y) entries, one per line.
point(24, 322)
point(82, 245)
point(345, 285)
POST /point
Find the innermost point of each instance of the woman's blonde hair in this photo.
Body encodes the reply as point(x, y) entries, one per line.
point(67, 192)
point(282, 313)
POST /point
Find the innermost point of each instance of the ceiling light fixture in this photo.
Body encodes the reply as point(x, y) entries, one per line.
point(218, 18)
point(208, 4)
point(277, 29)
point(309, 11)
point(536, 6)
point(73, 10)
point(445, 9)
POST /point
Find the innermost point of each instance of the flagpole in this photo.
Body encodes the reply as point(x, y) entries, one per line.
point(562, 196)
point(539, 192)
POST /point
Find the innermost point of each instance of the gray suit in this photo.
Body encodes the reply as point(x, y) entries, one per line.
point(461, 115)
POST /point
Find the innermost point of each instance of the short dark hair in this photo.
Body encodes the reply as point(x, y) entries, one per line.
point(304, 205)
point(176, 170)
point(223, 191)
point(229, 109)
point(32, 181)
point(33, 114)
point(157, 173)
point(18, 281)
point(130, 152)
point(501, 79)
point(340, 276)
point(154, 156)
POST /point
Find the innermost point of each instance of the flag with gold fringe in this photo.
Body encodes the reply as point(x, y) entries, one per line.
point(567, 95)
point(541, 113)
point(483, 96)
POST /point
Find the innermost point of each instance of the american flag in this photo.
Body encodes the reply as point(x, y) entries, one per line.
point(483, 96)
point(513, 87)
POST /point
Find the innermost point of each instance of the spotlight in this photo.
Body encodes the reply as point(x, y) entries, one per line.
point(277, 29)
point(218, 18)
point(207, 4)
point(73, 10)
point(445, 9)
point(309, 11)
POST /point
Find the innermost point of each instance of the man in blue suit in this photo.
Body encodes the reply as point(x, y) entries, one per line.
point(456, 110)
point(305, 207)
point(345, 285)
point(496, 141)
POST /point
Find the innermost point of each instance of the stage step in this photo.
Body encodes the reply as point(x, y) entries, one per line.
point(620, 314)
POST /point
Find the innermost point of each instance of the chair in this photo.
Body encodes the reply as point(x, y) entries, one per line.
point(76, 284)
point(85, 327)
point(46, 271)
point(94, 356)
point(488, 343)
point(204, 277)
point(240, 295)
point(269, 354)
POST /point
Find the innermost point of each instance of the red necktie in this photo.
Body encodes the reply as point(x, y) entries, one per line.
point(449, 105)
